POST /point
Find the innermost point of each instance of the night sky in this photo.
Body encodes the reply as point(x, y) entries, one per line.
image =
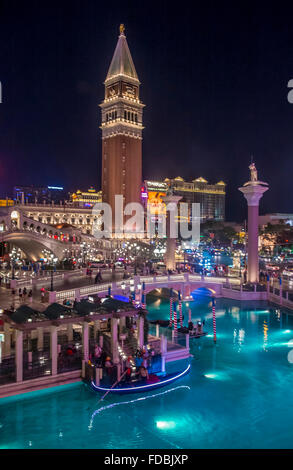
point(214, 80)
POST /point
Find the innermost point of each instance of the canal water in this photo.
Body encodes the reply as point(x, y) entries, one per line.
point(237, 395)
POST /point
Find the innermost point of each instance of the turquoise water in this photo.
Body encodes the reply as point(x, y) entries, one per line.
point(238, 395)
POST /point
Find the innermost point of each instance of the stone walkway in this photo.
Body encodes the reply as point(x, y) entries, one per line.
point(7, 300)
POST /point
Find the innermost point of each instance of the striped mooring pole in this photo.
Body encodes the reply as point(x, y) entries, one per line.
point(175, 318)
point(171, 307)
point(189, 315)
point(214, 319)
point(143, 304)
point(180, 308)
point(143, 296)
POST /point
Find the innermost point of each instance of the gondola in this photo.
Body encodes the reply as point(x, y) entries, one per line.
point(192, 333)
point(163, 323)
point(152, 383)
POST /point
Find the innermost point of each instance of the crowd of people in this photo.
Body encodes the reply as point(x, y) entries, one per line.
point(23, 294)
point(134, 367)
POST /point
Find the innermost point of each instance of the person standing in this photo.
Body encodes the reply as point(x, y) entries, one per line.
point(24, 294)
point(20, 294)
point(98, 354)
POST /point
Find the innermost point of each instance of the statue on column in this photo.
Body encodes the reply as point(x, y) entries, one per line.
point(253, 177)
point(253, 172)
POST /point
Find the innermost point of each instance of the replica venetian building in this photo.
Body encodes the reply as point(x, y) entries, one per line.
point(121, 129)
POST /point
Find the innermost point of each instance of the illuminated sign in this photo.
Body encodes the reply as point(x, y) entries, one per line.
point(156, 185)
point(155, 202)
point(55, 187)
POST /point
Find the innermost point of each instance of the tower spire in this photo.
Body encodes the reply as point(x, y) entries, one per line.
point(122, 63)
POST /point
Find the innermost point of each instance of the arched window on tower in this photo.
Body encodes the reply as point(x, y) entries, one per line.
point(128, 115)
point(132, 117)
point(115, 114)
point(125, 115)
point(136, 118)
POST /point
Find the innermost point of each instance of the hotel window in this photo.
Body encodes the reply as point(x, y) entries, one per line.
point(136, 118)
point(125, 115)
point(128, 115)
point(132, 117)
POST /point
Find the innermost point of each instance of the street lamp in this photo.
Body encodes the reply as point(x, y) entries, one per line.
point(53, 261)
point(13, 257)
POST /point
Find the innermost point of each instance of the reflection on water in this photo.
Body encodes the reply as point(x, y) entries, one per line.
point(135, 400)
point(265, 335)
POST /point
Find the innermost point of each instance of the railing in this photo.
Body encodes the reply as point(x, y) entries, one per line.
point(7, 370)
point(40, 366)
point(94, 288)
point(194, 277)
point(65, 294)
point(177, 277)
point(162, 279)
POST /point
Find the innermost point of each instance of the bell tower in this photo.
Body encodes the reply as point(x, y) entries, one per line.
point(121, 129)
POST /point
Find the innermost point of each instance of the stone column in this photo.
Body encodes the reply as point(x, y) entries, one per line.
point(140, 332)
point(85, 341)
point(114, 340)
point(96, 328)
point(40, 337)
point(157, 330)
point(69, 332)
point(19, 355)
point(171, 241)
point(163, 352)
point(7, 339)
point(54, 349)
point(253, 191)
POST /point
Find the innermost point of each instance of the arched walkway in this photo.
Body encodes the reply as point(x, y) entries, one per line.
point(203, 291)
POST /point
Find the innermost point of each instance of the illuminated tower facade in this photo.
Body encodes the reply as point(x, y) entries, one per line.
point(121, 129)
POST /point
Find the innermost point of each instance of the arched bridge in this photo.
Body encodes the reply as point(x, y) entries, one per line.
point(186, 283)
point(32, 237)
